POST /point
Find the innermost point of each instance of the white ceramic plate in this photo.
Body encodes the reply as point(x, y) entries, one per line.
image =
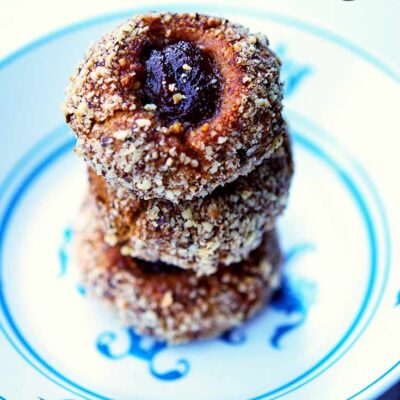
point(331, 333)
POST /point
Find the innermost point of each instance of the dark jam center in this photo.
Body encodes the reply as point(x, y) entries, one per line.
point(182, 82)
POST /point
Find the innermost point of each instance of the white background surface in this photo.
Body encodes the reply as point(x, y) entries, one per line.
point(372, 24)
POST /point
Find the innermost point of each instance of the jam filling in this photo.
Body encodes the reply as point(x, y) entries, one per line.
point(181, 81)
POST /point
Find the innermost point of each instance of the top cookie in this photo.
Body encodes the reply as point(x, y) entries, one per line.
point(174, 105)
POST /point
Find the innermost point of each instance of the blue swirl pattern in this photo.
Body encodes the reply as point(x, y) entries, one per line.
point(296, 295)
point(234, 337)
point(64, 250)
point(144, 349)
point(292, 72)
point(64, 257)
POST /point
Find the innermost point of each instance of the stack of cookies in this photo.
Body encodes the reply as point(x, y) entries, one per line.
point(179, 119)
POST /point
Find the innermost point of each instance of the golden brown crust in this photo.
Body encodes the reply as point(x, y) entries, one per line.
point(123, 140)
point(219, 229)
point(167, 302)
